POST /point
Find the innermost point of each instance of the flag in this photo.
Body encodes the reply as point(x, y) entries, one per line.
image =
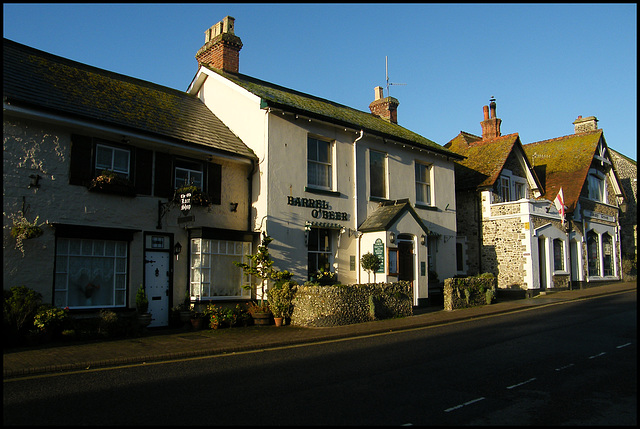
point(559, 203)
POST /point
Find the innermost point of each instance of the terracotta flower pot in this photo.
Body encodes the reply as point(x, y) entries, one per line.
point(278, 321)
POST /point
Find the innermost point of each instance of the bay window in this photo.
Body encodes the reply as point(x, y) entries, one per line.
point(213, 273)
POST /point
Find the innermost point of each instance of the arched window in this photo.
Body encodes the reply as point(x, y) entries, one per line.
point(593, 253)
point(558, 255)
point(607, 255)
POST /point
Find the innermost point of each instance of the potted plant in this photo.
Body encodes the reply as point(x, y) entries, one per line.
point(370, 263)
point(110, 182)
point(142, 307)
point(196, 196)
point(280, 300)
point(261, 267)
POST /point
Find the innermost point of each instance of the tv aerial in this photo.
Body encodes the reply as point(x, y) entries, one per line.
point(386, 70)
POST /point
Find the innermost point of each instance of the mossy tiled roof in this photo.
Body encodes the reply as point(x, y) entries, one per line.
point(279, 97)
point(38, 80)
point(565, 162)
point(485, 159)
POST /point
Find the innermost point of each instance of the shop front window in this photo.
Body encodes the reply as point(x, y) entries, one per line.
point(558, 255)
point(213, 273)
point(90, 273)
point(607, 255)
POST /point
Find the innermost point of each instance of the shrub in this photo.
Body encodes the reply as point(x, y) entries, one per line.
point(19, 307)
point(50, 319)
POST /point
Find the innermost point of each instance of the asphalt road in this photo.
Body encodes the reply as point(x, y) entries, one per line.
point(569, 364)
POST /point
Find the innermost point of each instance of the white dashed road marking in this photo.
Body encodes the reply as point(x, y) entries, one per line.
point(598, 355)
point(520, 384)
point(564, 367)
point(462, 405)
point(623, 345)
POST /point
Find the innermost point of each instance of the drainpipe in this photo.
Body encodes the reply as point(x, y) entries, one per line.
point(355, 201)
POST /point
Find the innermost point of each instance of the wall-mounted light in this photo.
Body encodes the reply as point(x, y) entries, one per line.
point(34, 181)
point(423, 239)
point(392, 237)
point(233, 207)
point(307, 229)
point(177, 248)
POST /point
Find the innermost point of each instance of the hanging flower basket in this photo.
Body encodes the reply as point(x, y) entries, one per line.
point(109, 182)
point(22, 230)
point(198, 198)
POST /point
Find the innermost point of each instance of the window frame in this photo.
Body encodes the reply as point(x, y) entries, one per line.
point(382, 174)
point(111, 167)
point(327, 165)
point(62, 268)
point(207, 260)
point(190, 167)
point(429, 176)
point(597, 186)
point(326, 250)
point(558, 254)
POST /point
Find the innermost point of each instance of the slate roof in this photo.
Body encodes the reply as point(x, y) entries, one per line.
point(565, 162)
point(485, 159)
point(385, 215)
point(49, 83)
point(279, 97)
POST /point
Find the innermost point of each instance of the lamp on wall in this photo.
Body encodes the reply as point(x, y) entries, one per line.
point(307, 229)
point(177, 249)
point(392, 237)
point(233, 207)
point(423, 239)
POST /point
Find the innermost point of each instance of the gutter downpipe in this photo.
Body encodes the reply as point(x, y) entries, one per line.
point(355, 200)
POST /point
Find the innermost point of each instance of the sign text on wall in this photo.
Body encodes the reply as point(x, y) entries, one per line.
point(320, 208)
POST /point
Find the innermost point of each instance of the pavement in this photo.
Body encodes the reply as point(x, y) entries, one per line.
point(169, 344)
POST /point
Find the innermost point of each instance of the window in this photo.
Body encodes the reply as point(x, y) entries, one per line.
point(593, 253)
point(188, 173)
point(213, 272)
point(90, 273)
point(607, 255)
point(319, 163)
point(558, 255)
point(113, 159)
point(503, 189)
point(520, 190)
point(423, 183)
point(596, 185)
point(378, 174)
point(319, 250)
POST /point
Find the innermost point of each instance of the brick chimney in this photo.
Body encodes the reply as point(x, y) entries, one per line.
point(385, 108)
point(491, 124)
point(583, 125)
point(221, 49)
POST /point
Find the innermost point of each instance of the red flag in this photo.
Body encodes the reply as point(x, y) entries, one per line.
point(559, 203)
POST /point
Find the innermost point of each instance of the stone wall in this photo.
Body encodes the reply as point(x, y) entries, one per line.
point(503, 251)
point(469, 291)
point(321, 306)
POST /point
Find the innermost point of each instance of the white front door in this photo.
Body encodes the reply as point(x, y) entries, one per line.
point(156, 275)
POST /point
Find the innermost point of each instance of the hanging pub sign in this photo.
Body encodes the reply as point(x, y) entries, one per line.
point(185, 203)
point(320, 209)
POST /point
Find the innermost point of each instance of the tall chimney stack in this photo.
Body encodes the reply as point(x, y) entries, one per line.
point(491, 124)
point(384, 107)
point(584, 125)
point(221, 49)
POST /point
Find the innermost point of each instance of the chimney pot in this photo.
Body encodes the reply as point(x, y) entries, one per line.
point(221, 47)
point(490, 125)
point(378, 92)
point(385, 108)
point(485, 110)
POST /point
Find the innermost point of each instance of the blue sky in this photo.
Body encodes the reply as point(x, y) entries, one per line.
point(544, 63)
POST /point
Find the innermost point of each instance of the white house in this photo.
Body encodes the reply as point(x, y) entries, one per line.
point(334, 182)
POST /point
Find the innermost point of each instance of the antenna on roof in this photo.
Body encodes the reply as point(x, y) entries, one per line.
point(386, 70)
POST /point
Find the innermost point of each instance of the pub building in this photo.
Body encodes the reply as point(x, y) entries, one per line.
point(334, 183)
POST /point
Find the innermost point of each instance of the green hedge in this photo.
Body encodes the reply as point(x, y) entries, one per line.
point(345, 304)
point(463, 292)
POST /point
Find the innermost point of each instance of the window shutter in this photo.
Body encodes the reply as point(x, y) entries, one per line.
point(142, 172)
point(214, 182)
point(163, 187)
point(81, 163)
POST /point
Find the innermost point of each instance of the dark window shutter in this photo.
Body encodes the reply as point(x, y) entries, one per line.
point(214, 182)
point(81, 163)
point(142, 172)
point(163, 186)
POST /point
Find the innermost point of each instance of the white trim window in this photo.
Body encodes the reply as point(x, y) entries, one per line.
point(90, 273)
point(558, 254)
point(319, 248)
point(319, 163)
point(423, 183)
point(113, 159)
point(597, 186)
point(504, 188)
point(188, 173)
point(378, 174)
point(213, 273)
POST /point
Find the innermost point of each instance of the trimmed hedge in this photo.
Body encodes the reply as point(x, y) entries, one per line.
point(316, 306)
point(464, 292)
